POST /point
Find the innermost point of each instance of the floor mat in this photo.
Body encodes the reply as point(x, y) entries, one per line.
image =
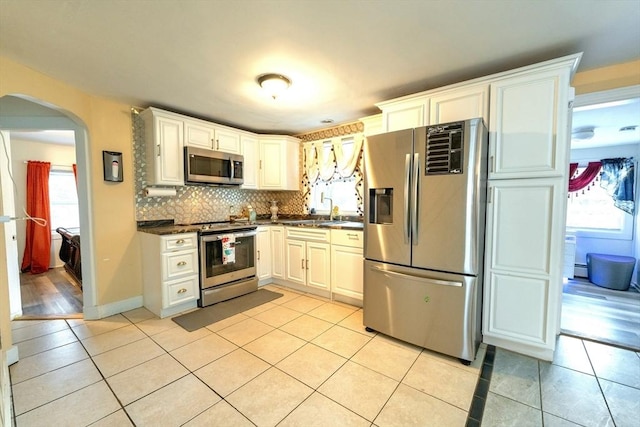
point(214, 313)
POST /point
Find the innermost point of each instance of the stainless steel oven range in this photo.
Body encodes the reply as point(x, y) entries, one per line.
point(227, 262)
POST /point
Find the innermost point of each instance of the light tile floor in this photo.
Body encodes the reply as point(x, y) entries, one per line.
point(298, 361)
point(587, 384)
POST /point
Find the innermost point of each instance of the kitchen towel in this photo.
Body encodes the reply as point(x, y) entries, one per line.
point(228, 248)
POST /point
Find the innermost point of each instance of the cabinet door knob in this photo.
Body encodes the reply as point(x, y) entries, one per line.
point(179, 241)
point(182, 291)
point(182, 263)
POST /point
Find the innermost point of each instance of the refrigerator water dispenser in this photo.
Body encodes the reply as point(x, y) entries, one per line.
point(381, 205)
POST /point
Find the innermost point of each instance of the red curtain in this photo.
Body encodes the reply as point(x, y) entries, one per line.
point(75, 173)
point(585, 178)
point(37, 248)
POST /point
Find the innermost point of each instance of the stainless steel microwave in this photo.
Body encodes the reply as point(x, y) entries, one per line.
point(202, 166)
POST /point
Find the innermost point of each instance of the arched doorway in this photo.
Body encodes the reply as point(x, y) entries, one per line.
point(24, 113)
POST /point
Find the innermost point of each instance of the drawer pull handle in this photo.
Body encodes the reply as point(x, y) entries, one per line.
point(352, 236)
point(182, 291)
point(179, 241)
point(182, 263)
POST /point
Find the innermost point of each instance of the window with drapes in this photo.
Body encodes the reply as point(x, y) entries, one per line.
point(333, 166)
point(601, 198)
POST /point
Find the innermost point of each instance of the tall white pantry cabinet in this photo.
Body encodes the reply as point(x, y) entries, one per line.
point(528, 114)
point(526, 210)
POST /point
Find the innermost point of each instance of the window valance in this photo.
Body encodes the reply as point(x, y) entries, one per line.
point(587, 176)
point(325, 158)
point(616, 176)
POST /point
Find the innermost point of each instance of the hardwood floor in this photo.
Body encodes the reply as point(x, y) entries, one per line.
point(599, 314)
point(53, 294)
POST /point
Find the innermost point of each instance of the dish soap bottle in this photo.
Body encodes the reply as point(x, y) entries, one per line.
point(251, 213)
point(274, 210)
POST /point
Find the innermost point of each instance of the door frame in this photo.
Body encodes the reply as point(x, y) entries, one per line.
point(63, 120)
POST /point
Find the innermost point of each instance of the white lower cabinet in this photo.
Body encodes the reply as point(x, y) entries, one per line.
point(263, 253)
point(523, 271)
point(347, 263)
point(277, 252)
point(170, 272)
point(308, 260)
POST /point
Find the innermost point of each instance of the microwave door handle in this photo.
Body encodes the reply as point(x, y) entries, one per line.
point(232, 171)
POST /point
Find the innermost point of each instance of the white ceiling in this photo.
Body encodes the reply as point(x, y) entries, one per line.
point(613, 123)
point(201, 57)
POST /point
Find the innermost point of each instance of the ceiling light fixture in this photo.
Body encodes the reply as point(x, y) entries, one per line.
point(582, 133)
point(273, 84)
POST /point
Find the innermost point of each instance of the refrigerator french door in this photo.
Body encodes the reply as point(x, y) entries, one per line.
point(425, 197)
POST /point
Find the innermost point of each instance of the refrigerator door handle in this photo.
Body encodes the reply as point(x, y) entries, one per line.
point(407, 183)
point(416, 278)
point(414, 187)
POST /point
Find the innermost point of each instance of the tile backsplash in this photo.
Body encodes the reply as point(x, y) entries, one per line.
point(194, 204)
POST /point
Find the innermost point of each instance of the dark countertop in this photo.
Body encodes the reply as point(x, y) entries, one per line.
point(167, 227)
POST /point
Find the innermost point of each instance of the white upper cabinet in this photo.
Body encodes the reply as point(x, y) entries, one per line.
point(404, 113)
point(198, 133)
point(227, 140)
point(279, 167)
point(372, 125)
point(528, 132)
point(164, 147)
point(463, 103)
point(271, 162)
point(251, 154)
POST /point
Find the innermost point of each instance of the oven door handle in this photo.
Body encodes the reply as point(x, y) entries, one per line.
point(213, 237)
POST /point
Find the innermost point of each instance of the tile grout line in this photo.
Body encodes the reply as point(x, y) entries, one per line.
point(476, 410)
point(102, 375)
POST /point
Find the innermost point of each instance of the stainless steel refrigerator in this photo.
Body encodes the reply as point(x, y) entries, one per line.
point(425, 197)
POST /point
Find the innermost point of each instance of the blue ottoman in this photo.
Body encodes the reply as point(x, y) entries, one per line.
point(610, 271)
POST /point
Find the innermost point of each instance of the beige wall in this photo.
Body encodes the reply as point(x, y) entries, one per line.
point(606, 78)
point(117, 259)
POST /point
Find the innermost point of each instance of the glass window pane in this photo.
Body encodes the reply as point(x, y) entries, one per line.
point(63, 198)
point(593, 209)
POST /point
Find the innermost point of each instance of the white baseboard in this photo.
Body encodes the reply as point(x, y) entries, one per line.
point(580, 270)
point(102, 311)
point(12, 355)
point(537, 352)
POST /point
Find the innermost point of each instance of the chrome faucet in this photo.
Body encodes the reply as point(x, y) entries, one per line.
point(322, 199)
